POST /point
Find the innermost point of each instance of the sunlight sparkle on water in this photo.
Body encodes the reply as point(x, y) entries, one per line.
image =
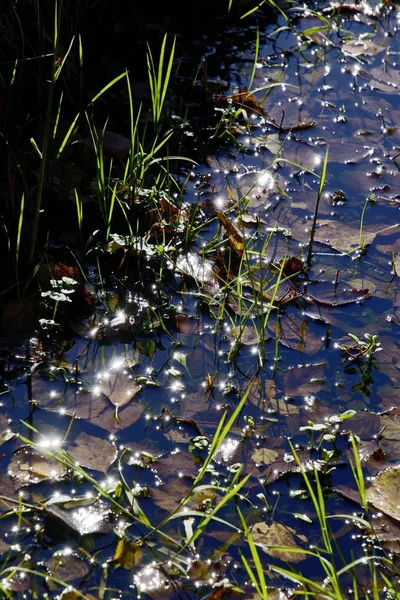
point(266, 180)
point(148, 579)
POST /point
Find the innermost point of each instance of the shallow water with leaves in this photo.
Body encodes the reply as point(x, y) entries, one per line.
point(276, 301)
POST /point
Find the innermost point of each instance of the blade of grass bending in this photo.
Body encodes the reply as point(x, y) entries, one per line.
point(256, 53)
point(358, 474)
point(220, 434)
point(314, 223)
point(107, 87)
point(79, 214)
point(200, 528)
point(19, 231)
point(259, 582)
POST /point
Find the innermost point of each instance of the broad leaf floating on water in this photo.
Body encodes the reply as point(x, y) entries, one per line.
point(384, 492)
point(264, 456)
point(345, 237)
point(295, 332)
point(93, 406)
point(330, 293)
point(358, 47)
point(71, 594)
point(248, 335)
point(303, 381)
point(246, 99)
point(93, 452)
point(28, 466)
point(186, 324)
point(277, 534)
point(81, 520)
point(8, 487)
point(118, 386)
point(66, 567)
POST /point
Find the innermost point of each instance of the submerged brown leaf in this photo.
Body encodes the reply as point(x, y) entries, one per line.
point(384, 492)
point(28, 466)
point(67, 567)
point(302, 381)
point(93, 452)
point(277, 534)
point(345, 237)
point(234, 235)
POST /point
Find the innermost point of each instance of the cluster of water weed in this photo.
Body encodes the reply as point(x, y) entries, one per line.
point(189, 294)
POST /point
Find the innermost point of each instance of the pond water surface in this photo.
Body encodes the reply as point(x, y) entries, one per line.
point(136, 407)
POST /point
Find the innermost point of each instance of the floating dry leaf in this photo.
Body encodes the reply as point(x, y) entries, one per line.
point(345, 237)
point(67, 567)
point(4, 547)
point(234, 235)
point(74, 595)
point(95, 408)
point(330, 293)
point(295, 332)
point(277, 534)
point(119, 387)
point(93, 452)
point(28, 466)
point(82, 520)
point(248, 335)
point(360, 47)
point(264, 455)
point(127, 554)
point(384, 492)
point(302, 381)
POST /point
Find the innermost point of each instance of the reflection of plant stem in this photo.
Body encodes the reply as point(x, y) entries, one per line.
point(55, 310)
point(362, 237)
point(314, 223)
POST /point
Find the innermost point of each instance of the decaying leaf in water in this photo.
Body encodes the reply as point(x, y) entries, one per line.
point(95, 408)
point(358, 47)
point(297, 333)
point(119, 387)
point(264, 456)
point(67, 567)
point(74, 595)
point(345, 237)
point(93, 452)
point(330, 293)
point(234, 235)
point(247, 335)
point(248, 100)
point(302, 381)
point(384, 492)
point(82, 520)
point(127, 554)
point(28, 466)
point(277, 534)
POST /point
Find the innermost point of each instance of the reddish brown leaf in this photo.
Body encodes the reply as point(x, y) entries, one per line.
point(234, 235)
